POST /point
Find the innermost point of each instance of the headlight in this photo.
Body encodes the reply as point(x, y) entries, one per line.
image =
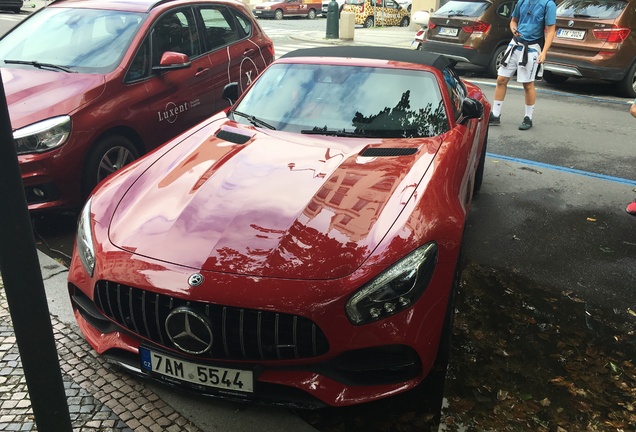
point(84, 239)
point(42, 136)
point(395, 289)
point(267, 8)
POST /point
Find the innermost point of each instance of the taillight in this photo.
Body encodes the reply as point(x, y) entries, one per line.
point(612, 35)
point(477, 27)
point(419, 33)
point(431, 24)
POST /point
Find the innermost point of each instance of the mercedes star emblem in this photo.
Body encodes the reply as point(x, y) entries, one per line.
point(195, 279)
point(190, 331)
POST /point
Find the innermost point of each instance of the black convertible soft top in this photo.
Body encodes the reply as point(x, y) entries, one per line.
point(376, 53)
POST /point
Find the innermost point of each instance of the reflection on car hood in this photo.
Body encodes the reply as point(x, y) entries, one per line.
point(37, 94)
point(308, 208)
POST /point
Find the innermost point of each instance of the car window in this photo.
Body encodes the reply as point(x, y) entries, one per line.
point(355, 2)
point(220, 27)
point(603, 9)
point(84, 40)
point(456, 90)
point(378, 102)
point(140, 66)
point(175, 31)
point(463, 8)
point(244, 23)
point(505, 10)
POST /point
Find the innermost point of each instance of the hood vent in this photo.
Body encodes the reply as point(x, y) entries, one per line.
point(233, 137)
point(388, 152)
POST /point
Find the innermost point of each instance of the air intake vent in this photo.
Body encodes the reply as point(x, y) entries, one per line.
point(233, 137)
point(388, 152)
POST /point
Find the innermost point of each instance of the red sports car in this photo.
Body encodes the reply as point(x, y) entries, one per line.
point(93, 84)
point(300, 247)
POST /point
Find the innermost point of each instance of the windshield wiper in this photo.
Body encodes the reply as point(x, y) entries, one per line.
point(254, 120)
point(333, 132)
point(458, 14)
point(583, 16)
point(40, 65)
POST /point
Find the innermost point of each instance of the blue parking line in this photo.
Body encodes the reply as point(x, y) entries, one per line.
point(564, 169)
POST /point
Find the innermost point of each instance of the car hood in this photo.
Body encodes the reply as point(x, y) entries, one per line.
point(36, 94)
point(280, 205)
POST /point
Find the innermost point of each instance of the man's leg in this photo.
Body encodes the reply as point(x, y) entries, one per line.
point(500, 94)
point(530, 92)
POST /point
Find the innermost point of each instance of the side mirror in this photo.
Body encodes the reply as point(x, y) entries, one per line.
point(171, 60)
point(230, 92)
point(471, 108)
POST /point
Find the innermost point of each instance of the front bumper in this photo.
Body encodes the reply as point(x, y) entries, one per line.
point(263, 13)
point(360, 364)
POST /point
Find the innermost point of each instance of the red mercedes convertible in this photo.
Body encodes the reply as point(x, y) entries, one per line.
point(300, 247)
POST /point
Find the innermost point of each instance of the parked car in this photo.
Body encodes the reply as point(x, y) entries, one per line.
point(595, 39)
point(301, 247)
point(281, 9)
point(11, 5)
point(473, 31)
point(90, 89)
point(325, 6)
point(370, 13)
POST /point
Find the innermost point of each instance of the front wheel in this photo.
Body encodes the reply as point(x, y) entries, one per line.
point(278, 14)
point(627, 86)
point(312, 14)
point(405, 22)
point(368, 23)
point(107, 156)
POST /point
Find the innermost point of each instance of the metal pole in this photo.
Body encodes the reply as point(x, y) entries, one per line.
point(24, 287)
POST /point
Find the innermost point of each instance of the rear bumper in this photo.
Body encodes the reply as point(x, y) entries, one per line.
point(457, 52)
point(584, 69)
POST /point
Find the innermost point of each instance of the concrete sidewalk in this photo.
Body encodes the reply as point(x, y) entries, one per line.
point(400, 37)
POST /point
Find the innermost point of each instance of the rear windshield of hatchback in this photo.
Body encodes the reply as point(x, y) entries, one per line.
point(599, 9)
point(463, 9)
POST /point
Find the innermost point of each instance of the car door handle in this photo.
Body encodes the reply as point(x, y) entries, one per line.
point(201, 71)
point(248, 52)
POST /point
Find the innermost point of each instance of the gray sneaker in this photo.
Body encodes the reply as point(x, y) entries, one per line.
point(526, 123)
point(494, 120)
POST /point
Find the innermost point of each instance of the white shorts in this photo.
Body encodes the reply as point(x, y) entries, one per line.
point(525, 73)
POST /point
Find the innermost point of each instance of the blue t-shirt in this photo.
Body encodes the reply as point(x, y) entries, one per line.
point(533, 16)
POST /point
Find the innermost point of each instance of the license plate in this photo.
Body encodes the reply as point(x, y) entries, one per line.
point(571, 34)
point(448, 31)
point(195, 373)
point(258, 12)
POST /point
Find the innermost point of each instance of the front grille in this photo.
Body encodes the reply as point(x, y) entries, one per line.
point(239, 334)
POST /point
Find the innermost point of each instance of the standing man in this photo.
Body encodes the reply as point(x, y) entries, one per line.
point(533, 28)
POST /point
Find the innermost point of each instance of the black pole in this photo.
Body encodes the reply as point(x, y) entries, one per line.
point(24, 287)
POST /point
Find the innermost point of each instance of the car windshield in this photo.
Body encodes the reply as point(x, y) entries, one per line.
point(462, 8)
point(77, 40)
point(354, 2)
point(603, 9)
point(346, 101)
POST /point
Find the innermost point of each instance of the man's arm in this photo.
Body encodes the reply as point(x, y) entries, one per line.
point(632, 110)
point(513, 27)
point(550, 31)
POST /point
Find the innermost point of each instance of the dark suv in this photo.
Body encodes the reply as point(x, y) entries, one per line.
point(595, 39)
point(474, 31)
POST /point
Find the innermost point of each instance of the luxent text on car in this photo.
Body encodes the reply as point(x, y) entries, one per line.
point(300, 247)
point(92, 85)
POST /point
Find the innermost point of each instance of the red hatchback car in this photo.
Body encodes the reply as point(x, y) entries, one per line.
point(93, 84)
point(301, 247)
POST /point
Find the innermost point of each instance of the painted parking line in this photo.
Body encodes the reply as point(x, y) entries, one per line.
point(564, 169)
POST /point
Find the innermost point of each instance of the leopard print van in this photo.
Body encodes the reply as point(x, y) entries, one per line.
point(389, 13)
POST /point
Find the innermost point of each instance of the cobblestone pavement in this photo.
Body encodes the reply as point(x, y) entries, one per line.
point(100, 396)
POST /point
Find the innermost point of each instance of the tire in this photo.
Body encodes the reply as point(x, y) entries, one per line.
point(479, 173)
point(445, 341)
point(405, 22)
point(108, 155)
point(368, 23)
point(495, 61)
point(627, 86)
point(311, 14)
point(17, 10)
point(551, 78)
point(278, 14)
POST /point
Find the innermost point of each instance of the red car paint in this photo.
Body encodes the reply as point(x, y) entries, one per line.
point(259, 222)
